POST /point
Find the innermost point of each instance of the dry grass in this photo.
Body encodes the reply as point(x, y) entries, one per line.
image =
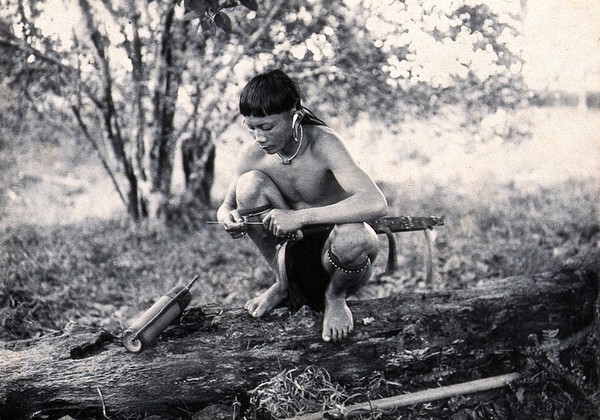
point(292, 393)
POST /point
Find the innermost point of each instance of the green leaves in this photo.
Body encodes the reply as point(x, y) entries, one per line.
point(195, 6)
point(250, 4)
point(223, 22)
point(211, 15)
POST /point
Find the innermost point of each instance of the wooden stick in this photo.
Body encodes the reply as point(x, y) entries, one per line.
point(381, 225)
point(430, 273)
point(423, 396)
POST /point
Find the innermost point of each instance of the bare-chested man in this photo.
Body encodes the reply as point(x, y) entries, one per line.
point(296, 173)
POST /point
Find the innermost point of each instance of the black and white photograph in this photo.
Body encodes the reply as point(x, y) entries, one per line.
point(303, 209)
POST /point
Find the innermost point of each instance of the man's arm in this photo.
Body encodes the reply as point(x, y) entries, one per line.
point(365, 201)
point(227, 213)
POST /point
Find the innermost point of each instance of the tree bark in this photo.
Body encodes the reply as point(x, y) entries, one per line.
point(217, 353)
point(198, 159)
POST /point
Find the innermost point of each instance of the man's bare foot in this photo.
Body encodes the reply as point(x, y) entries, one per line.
point(337, 323)
point(266, 301)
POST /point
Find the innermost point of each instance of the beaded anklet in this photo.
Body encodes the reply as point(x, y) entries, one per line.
point(334, 260)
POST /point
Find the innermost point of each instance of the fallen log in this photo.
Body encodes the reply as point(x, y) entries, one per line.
point(217, 353)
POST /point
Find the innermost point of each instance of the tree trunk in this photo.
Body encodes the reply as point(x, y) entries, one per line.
point(198, 158)
point(217, 353)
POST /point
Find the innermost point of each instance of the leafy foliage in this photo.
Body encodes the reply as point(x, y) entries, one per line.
point(129, 77)
point(401, 58)
point(212, 15)
point(140, 77)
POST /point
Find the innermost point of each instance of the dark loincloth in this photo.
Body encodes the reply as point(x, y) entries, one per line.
point(307, 279)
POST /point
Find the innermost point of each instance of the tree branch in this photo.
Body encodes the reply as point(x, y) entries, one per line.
point(37, 53)
point(252, 41)
point(111, 122)
point(88, 136)
point(193, 115)
point(134, 51)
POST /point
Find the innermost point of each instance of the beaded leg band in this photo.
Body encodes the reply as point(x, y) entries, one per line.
point(354, 269)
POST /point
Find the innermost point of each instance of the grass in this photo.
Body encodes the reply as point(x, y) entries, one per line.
point(104, 272)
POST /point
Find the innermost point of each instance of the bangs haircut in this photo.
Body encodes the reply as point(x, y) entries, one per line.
point(269, 93)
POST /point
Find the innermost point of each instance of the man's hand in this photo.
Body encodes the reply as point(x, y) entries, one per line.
point(233, 223)
point(282, 223)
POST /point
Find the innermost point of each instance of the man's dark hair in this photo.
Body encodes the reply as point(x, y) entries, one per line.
point(273, 92)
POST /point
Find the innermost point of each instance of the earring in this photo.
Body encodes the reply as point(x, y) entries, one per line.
point(296, 125)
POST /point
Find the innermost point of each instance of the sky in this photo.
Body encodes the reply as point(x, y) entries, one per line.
point(561, 44)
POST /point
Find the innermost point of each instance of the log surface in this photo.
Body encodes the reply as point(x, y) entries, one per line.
point(218, 353)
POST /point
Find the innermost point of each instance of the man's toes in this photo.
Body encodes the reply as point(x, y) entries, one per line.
point(252, 306)
point(259, 309)
point(337, 334)
point(344, 333)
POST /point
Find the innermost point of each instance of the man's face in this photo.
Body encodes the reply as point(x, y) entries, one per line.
point(271, 132)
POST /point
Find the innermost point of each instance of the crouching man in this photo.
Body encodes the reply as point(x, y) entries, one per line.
point(297, 172)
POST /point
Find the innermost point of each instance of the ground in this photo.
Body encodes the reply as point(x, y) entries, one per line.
point(68, 254)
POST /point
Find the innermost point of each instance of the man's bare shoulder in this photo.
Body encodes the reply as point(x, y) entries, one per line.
point(327, 143)
point(249, 157)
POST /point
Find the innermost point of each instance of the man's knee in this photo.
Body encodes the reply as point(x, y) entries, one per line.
point(352, 243)
point(256, 188)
